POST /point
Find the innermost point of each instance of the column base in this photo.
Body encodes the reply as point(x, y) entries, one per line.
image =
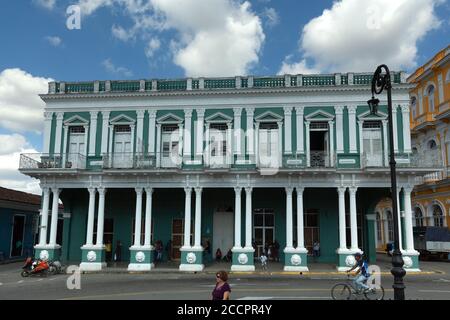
point(47, 252)
point(141, 258)
point(191, 259)
point(243, 259)
point(346, 260)
point(411, 261)
point(295, 259)
point(92, 258)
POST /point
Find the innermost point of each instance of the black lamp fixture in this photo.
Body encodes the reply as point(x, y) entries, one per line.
point(382, 80)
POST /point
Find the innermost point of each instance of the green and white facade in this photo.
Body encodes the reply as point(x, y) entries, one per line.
point(243, 160)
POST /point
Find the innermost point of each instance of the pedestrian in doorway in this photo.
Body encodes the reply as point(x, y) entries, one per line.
point(316, 250)
point(169, 250)
point(276, 251)
point(222, 289)
point(159, 250)
point(207, 251)
point(118, 252)
point(218, 255)
point(108, 251)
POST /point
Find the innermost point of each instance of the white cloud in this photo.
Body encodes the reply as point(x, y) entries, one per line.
point(153, 45)
point(296, 68)
point(11, 143)
point(110, 67)
point(271, 16)
point(54, 40)
point(12, 146)
point(214, 37)
point(48, 4)
point(218, 37)
point(21, 108)
point(357, 35)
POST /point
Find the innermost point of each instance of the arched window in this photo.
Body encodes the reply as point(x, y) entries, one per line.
point(418, 217)
point(430, 94)
point(438, 216)
point(390, 224)
point(414, 107)
point(379, 228)
point(432, 145)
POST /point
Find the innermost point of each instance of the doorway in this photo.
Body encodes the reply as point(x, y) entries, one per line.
point(18, 232)
point(122, 147)
point(319, 144)
point(372, 145)
point(264, 229)
point(169, 146)
point(76, 146)
point(223, 232)
point(311, 228)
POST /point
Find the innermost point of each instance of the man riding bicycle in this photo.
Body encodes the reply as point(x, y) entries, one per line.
point(360, 281)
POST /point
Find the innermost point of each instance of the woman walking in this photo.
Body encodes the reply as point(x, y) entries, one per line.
point(222, 289)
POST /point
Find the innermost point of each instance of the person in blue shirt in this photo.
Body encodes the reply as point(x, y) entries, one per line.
point(361, 279)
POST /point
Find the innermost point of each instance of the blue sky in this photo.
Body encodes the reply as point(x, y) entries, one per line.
point(134, 39)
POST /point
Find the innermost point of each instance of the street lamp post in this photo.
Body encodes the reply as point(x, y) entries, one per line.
point(382, 80)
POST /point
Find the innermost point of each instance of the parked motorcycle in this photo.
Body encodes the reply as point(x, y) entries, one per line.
point(35, 267)
point(55, 267)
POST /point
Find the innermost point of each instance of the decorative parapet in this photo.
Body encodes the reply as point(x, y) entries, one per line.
point(239, 83)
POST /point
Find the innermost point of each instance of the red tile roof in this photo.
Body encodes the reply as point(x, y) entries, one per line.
point(18, 196)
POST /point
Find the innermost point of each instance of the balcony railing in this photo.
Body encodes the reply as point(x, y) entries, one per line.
point(52, 161)
point(318, 159)
point(129, 160)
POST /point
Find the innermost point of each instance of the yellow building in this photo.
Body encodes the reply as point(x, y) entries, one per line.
point(430, 140)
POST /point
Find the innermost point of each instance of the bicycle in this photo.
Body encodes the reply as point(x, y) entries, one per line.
point(346, 290)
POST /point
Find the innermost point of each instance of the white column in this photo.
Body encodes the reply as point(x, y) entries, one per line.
point(385, 143)
point(198, 217)
point(289, 225)
point(441, 87)
point(140, 131)
point(199, 135)
point(65, 151)
point(86, 138)
point(406, 129)
point(300, 227)
point(331, 151)
point(151, 131)
point(287, 130)
point(248, 217)
point(408, 219)
point(44, 216)
point(91, 213)
point(187, 217)
point(55, 207)
point(394, 123)
point(299, 117)
point(110, 148)
point(100, 216)
point(187, 134)
point(353, 219)
point(180, 140)
point(229, 144)
point(339, 110)
point(93, 133)
point(420, 96)
point(250, 132)
point(148, 217)
point(105, 128)
point(47, 132)
point(138, 218)
point(399, 189)
point(308, 153)
point(342, 229)
point(58, 133)
point(237, 217)
point(352, 128)
point(280, 144)
point(257, 155)
point(237, 131)
point(158, 145)
point(133, 137)
point(360, 129)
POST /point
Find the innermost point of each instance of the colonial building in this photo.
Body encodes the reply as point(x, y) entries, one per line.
point(430, 116)
point(19, 212)
point(237, 162)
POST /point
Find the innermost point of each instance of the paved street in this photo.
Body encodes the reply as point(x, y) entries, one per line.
point(434, 283)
